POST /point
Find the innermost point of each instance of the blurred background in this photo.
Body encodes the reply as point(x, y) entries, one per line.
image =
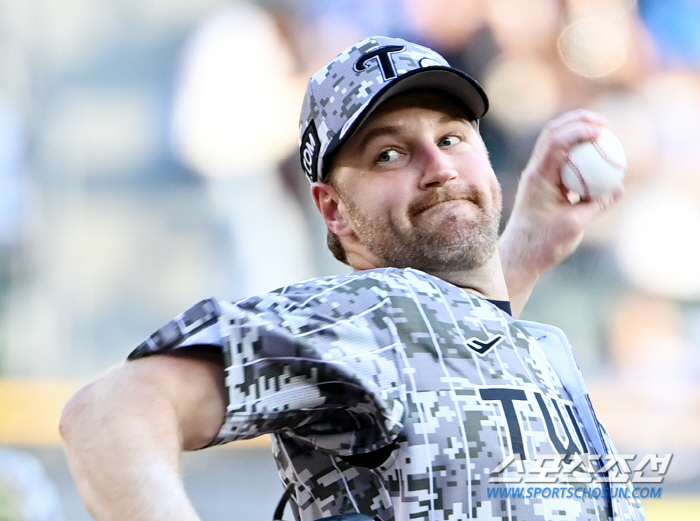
point(147, 161)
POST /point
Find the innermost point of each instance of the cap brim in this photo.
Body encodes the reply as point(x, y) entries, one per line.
point(452, 81)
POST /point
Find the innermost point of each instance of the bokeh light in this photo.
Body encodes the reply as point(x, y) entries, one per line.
point(593, 47)
point(524, 92)
point(659, 242)
point(236, 105)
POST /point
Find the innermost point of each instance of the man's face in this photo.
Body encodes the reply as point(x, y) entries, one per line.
point(417, 187)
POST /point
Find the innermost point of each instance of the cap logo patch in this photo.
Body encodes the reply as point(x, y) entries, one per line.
point(382, 54)
point(309, 151)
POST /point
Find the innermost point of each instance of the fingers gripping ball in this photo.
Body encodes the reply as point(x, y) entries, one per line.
point(595, 168)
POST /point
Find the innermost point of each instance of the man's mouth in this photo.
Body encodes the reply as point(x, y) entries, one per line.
point(469, 195)
point(423, 210)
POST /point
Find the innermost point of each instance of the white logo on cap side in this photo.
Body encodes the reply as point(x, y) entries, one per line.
point(428, 62)
point(309, 151)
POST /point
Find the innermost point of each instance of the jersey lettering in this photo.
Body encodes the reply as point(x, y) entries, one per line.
point(507, 396)
point(571, 447)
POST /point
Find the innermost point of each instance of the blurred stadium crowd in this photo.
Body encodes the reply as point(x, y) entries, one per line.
point(147, 160)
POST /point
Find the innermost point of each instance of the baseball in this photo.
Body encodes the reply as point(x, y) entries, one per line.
point(595, 168)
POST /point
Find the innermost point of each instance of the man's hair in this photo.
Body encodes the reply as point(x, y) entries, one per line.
point(333, 242)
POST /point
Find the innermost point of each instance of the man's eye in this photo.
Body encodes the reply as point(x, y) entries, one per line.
point(448, 140)
point(387, 156)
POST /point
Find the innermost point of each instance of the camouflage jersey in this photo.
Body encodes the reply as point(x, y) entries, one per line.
point(395, 394)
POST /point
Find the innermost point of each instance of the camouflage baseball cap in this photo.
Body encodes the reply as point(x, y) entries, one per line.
point(341, 95)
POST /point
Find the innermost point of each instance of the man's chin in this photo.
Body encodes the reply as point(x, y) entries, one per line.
point(448, 218)
point(456, 243)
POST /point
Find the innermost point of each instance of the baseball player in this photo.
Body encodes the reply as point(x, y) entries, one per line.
point(396, 391)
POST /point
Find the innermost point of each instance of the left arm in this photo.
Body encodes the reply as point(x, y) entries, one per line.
point(545, 227)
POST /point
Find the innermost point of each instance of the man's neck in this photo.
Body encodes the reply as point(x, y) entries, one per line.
point(487, 280)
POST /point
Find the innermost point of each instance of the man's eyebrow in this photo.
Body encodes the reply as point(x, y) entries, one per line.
point(447, 118)
point(385, 130)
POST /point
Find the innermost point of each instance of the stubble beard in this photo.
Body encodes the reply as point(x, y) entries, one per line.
point(456, 242)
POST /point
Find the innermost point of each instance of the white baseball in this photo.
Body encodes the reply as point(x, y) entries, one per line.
point(595, 168)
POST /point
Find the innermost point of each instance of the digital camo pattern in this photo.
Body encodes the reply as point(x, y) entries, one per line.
point(342, 366)
point(339, 92)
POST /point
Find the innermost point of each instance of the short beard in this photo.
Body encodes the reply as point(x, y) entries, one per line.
point(457, 243)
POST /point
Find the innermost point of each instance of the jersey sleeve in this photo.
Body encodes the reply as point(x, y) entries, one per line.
point(196, 326)
point(308, 364)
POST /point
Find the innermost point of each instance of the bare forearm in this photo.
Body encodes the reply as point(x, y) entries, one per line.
point(527, 251)
point(123, 452)
point(153, 491)
point(124, 435)
point(544, 226)
point(520, 269)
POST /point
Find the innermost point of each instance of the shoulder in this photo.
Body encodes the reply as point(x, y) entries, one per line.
point(294, 309)
point(356, 287)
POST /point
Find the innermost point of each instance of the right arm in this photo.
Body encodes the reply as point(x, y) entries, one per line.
point(544, 226)
point(124, 434)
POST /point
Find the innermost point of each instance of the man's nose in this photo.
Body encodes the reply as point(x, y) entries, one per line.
point(437, 168)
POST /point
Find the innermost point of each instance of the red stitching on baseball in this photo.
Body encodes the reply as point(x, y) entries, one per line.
point(606, 157)
point(586, 192)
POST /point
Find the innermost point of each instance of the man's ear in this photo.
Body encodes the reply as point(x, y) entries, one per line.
point(331, 207)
